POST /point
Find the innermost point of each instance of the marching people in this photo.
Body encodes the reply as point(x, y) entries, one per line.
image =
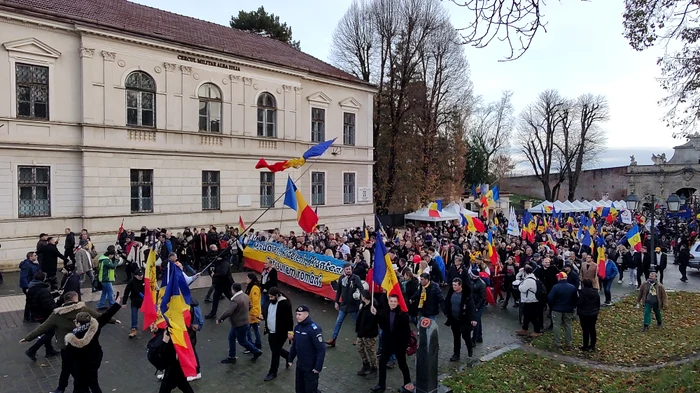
point(460, 311)
point(428, 297)
point(347, 299)
point(61, 322)
point(27, 270)
point(562, 300)
point(268, 279)
point(478, 294)
point(221, 279)
point(105, 274)
point(410, 288)
point(309, 350)
point(684, 257)
point(41, 305)
point(587, 307)
point(252, 289)
point(134, 291)
point(397, 328)
point(610, 274)
point(653, 295)
point(239, 317)
point(84, 350)
point(367, 330)
point(49, 261)
point(532, 311)
point(279, 324)
point(660, 263)
point(69, 246)
point(173, 377)
point(195, 326)
point(83, 263)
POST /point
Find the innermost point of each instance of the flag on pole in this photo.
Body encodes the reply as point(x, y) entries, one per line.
point(314, 151)
point(493, 256)
point(435, 209)
point(633, 238)
point(600, 242)
point(150, 293)
point(383, 273)
point(305, 216)
point(241, 225)
point(365, 231)
point(472, 224)
point(175, 307)
point(121, 229)
point(513, 223)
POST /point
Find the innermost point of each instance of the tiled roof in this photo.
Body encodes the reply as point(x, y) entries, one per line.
point(141, 20)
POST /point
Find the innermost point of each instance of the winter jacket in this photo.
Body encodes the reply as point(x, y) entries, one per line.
point(27, 271)
point(573, 279)
point(106, 267)
point(366, 325)
point(40, 300)
point(255, 307)
point(433, 300)
point(660, 294)
point(590, 271)
point(588, 302)
point(610, 270)
point(478, 288)
point(395, 339)
point(83, 261)
point(71, 283)
point(467, 308)
point(61, 319)
point(528, 289)
point(237, 312)
point(83, 344)
point(69, 243)
point(40, 248)
point(344, 294)
point(134, 291)
point(563, 297)
point(636, 261)
point(684, 256)
point(627, 260)
point(411, 288)
point(49, 261)
point(268, 279)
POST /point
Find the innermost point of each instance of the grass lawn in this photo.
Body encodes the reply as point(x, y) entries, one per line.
point(521, 372)
point(621, 342)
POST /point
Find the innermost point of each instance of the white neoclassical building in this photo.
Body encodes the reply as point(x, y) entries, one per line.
point(110, 110)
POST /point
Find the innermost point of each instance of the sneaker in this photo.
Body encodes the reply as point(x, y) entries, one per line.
point(246, 351)
point(196, 377)
point(133, 333)
point(269, 377)
point(160, 376)
point(207, 300)
point(31, 355)
point(391, 363)
point(619, 281)
point(229, 361)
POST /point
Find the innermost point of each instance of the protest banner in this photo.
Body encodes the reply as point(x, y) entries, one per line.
point(307, 271)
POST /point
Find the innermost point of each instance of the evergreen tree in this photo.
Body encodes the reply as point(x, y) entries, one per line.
point(264, 24)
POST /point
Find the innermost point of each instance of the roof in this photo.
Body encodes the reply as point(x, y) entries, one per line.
point(140, 20)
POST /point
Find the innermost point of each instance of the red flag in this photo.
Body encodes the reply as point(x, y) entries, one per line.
point(241, 225)
point(121, 229)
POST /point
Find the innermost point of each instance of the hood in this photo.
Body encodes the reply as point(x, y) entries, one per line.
point(87, 335)
point(25, 262)
point(70, 307)
point(37, 283)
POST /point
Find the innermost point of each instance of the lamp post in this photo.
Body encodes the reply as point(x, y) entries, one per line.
point(673, 203)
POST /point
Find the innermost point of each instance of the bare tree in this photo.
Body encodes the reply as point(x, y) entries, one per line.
point(501, 166)
point(354, 39)
point(537, 135)
point(493, 125)
point(589, 139)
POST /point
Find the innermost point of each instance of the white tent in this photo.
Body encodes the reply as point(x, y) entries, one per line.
point(620, 205)
point(540, 208)
point(596, 204)
point(561, 207)
point(423, 215)
point(456, 209)
point(572, 207)
point(583, 206)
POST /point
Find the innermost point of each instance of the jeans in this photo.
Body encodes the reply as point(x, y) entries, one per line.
point(478, 331)
point(264, 304)
point(339, 321)
point(588, 323)
point(648, 308)
point(607, 285)
point(107, 295)
point(565, 319)
point(621, 271)
point(239, 334)
point(134, 317)
point(255, 327)
point(632, 275)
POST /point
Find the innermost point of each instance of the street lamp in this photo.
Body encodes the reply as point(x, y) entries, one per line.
point(673, 202)
point(632, 201)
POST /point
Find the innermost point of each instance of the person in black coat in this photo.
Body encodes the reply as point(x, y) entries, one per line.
point(461, 316)
point(49, 261)
point(572, 277)
point(660, 262)
point(70, 283)
point(367, 331)
point(279, 331)
point(684, 257)
point(396, 330)
point(134, 291)
point(41, 305)
point(638, 264)
point(457, 270)
point(221, 278)
point(588, 307)
point(69, 246)
point(268, 279)
point(83, 345)
point(411, 287)
point(173, 377)
point(428, 297)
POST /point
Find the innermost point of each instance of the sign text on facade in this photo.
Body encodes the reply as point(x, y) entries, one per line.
point(209, 62)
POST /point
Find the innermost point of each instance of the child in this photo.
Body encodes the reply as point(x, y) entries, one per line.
point(134, 291)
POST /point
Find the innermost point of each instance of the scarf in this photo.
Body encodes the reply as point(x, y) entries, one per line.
point(81, 329)
point(652, 289)
point(423, 296)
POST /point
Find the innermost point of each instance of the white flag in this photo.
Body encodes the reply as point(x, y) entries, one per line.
point(626, 216)
point(513, 229)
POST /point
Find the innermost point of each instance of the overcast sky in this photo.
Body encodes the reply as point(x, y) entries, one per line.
point(583, 51)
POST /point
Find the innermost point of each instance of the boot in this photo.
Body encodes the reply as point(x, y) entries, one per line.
point(331, 342)
point(470, 352)
point(364, 370)
point(133, 333)
point(372, 374)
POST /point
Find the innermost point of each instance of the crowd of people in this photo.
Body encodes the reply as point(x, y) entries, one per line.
point(551, 276)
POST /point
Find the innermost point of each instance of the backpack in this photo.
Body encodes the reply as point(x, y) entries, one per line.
point(541, 293)
point(412, 344)
point(154, 356)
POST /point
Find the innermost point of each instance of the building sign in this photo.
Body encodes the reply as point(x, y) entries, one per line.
point(307, 271)
point(212, 63)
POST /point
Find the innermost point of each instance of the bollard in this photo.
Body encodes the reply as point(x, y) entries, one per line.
point(427, 357)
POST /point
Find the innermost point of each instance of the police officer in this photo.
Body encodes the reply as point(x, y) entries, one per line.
point(309, 347)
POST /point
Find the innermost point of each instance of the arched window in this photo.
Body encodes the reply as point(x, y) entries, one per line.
point(209, 108)
point(140, 100)
point(267, 113)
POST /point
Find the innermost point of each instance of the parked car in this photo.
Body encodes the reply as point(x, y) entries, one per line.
point(695, 252)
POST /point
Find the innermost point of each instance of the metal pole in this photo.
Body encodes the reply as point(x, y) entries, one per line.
point(651, 230)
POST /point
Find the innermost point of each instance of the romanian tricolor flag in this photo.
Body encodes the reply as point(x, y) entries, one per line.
point(365, 231)
point(472, 224)
point(600, 258)
point(150, 293)
point(241, 225)
point(314, 151)
point(305, 215)
point(634, 239)
point(547, 208)
point(383, 272)
point(490, 198)
point(175, 307)
point(435, 209)
point(493, 255)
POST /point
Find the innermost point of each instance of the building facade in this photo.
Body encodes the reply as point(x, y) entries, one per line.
point(101, 122)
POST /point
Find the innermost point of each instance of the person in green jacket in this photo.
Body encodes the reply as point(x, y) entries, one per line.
point(105, 273)
point(62, 322)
